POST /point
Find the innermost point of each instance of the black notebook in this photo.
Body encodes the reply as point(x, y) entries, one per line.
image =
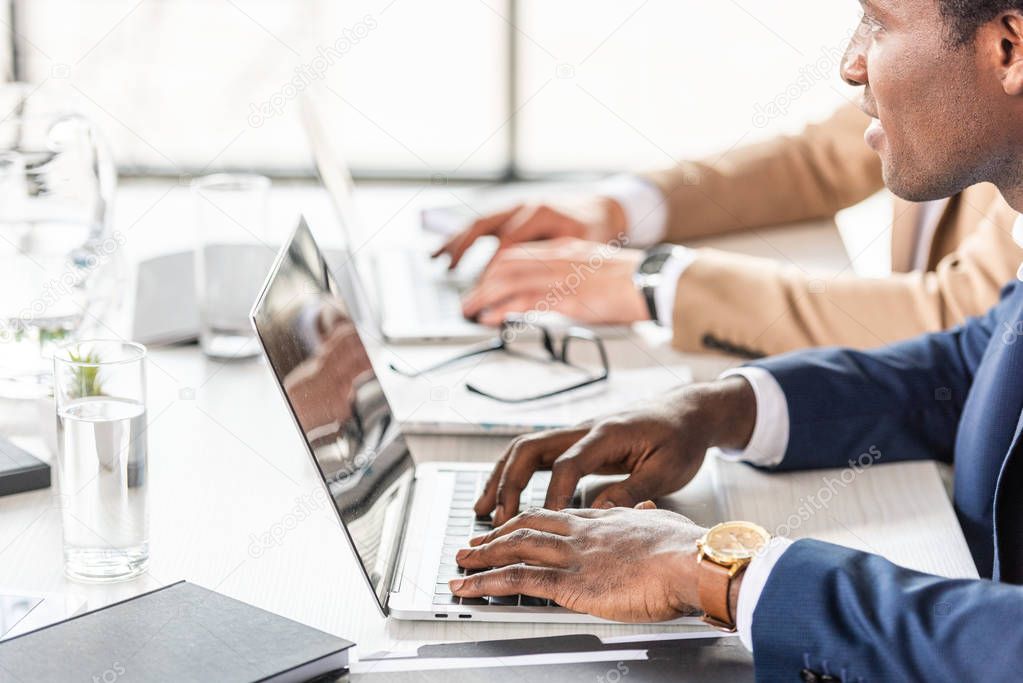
point(181, 632)
point(20, 471)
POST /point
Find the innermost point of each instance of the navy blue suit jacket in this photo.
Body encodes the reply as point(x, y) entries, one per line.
point(955, 396)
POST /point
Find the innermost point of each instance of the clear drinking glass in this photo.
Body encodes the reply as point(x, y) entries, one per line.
point(102, 463)
point(232, 259)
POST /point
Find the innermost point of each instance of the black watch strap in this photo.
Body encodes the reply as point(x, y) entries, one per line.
point(648, 276)
point(651, 302)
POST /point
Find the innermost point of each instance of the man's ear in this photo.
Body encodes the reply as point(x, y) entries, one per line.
point(1008, 31)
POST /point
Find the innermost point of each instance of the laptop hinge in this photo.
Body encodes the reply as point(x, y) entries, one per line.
point(398, 565)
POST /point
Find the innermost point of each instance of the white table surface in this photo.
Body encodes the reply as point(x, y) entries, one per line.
point(228, 466)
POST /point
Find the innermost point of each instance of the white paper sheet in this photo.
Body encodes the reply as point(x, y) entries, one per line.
point(21, 612)
point(388, 665)
point(441, 403)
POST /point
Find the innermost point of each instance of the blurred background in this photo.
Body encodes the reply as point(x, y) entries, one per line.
point(429, 102)
point(473, 89)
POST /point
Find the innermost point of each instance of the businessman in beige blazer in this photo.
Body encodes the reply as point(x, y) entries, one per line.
point(949, 258)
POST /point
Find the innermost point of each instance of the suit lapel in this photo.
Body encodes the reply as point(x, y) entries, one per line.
point(1005, 520)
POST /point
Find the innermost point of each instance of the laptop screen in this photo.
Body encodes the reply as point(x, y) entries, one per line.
point(321, 364)
point(332, 169)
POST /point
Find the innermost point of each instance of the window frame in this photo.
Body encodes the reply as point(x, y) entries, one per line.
point(9, 60)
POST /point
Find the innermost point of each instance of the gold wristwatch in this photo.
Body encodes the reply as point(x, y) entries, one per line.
point(722, 555)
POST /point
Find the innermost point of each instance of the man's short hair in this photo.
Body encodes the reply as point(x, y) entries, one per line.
point(966, 16)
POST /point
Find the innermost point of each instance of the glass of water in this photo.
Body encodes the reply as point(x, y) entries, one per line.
point(232, 259)
point(102, 463)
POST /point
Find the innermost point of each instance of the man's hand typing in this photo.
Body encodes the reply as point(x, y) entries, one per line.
point(574, 558)
point(661, 447)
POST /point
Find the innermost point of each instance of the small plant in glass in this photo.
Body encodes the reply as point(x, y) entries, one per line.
point(86, 374)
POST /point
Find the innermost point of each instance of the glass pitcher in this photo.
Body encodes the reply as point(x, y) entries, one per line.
point(59, 256)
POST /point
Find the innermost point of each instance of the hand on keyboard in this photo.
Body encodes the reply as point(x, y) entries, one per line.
point(598, 219)
point(463, 525)
point(631, 565)
point(661, 446)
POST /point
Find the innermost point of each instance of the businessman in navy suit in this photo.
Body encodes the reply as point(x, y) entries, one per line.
point(943, 80)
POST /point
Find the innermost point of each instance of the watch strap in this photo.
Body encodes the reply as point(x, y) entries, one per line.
point(648, 277)
point(650, 297)
point(714, 591)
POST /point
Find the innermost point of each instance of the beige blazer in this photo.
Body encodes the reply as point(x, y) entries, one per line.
point(751, 306)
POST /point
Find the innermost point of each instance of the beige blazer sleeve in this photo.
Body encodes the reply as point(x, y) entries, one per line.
point(794, 178)
point(752, 306)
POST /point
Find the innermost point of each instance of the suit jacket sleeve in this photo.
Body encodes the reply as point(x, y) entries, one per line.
point(759, 307)
point(900, 402)
point(826, 168)
point(858, 617)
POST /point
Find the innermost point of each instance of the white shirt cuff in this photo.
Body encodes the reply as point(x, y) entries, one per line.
point(753, 582)
point(770, 437)
point(664, 294)
point(646, 212)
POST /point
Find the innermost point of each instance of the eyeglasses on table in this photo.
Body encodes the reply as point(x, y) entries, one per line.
point(555, 348)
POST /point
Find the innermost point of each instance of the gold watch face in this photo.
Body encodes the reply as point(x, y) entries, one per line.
point(733, 542)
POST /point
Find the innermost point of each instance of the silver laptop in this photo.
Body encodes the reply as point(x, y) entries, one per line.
point(416, 298)
point(405, 522)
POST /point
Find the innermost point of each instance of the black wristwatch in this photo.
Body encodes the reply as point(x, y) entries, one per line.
point(648, 275)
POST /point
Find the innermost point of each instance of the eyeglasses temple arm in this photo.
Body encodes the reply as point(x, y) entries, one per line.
point(493, 345)
point(529, 399)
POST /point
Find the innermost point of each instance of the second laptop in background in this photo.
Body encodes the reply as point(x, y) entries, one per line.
point(417, 299)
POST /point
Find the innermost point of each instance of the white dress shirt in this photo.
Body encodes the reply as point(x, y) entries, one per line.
point(1017, 236)
point(645, 208)
point(930, 217)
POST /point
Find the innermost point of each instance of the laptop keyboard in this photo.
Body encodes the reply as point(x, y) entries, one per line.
point(463, 524)
point(435, 299)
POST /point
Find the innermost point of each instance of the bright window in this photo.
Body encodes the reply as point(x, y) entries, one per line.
point(637, 84)
point(425, 88)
